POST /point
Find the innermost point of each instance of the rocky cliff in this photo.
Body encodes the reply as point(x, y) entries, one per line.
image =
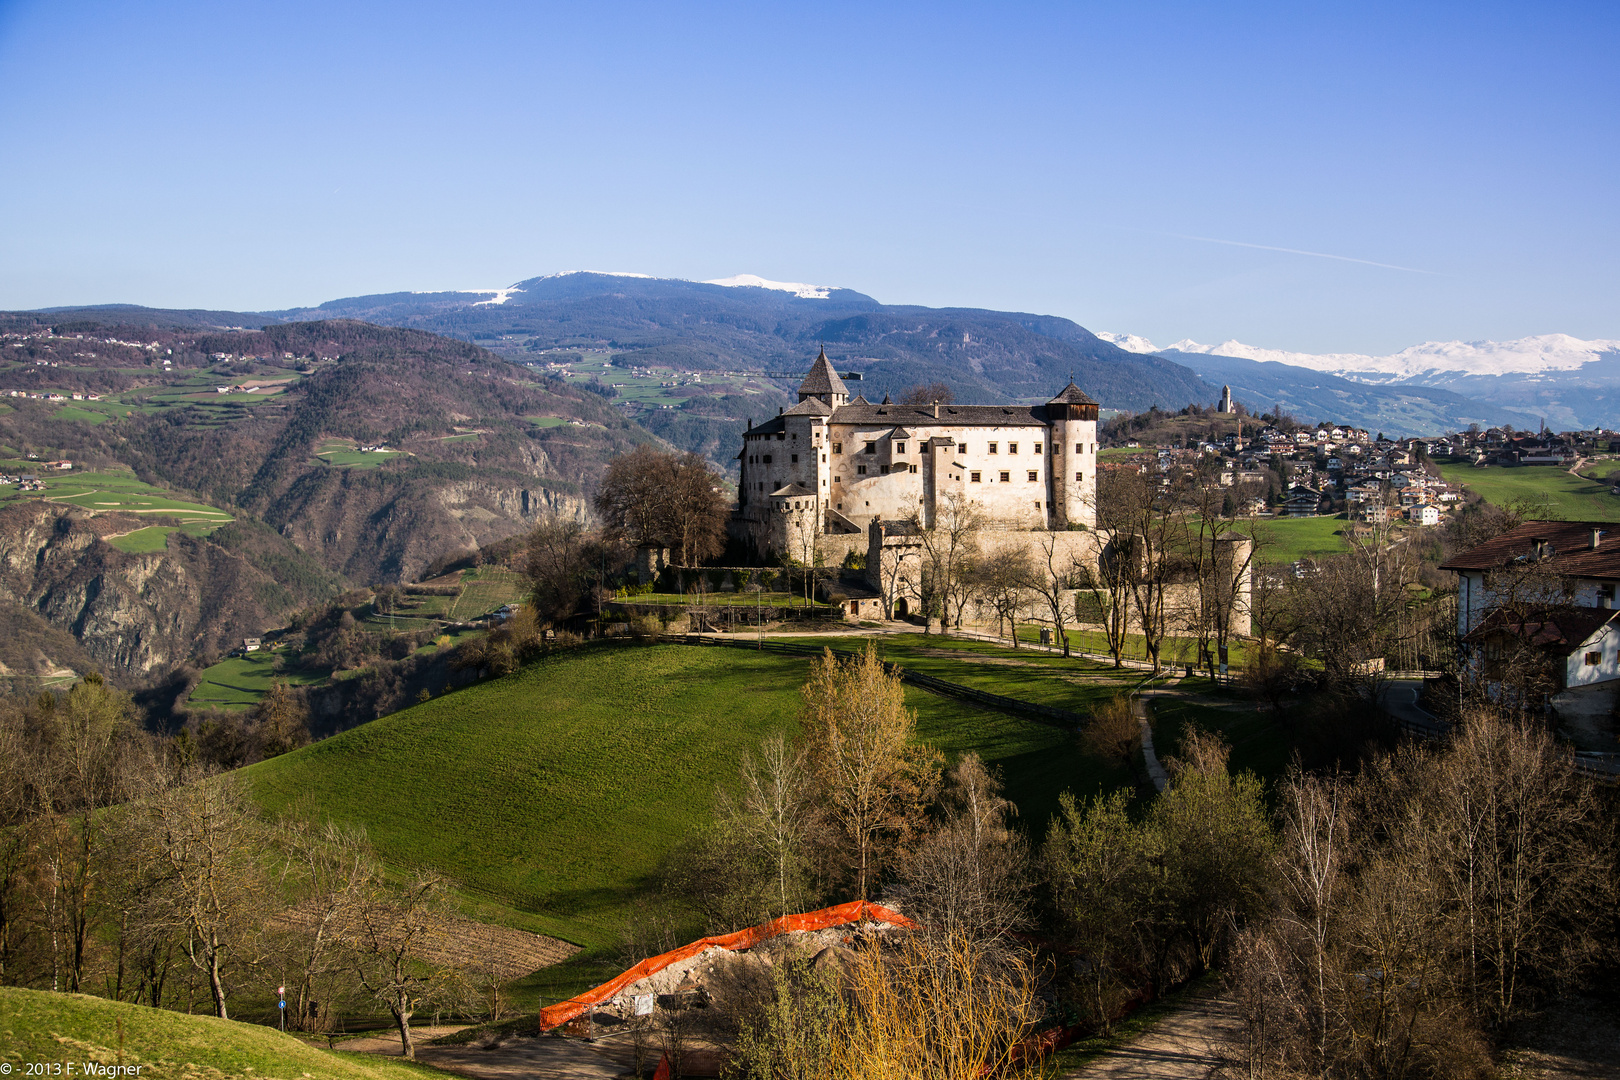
point(136, 615)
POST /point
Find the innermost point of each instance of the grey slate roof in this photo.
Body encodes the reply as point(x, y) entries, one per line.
point(1072, 395)
point(822, 378)
point(949, 415)
point(809, 407)
point(792, 491)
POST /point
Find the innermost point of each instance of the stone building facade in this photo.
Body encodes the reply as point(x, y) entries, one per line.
point(817, 475)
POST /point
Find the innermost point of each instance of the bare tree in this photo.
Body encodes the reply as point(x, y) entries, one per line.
point(217, 894)
point(949, 544)
point(929, 394)
point(328, 868)
point(1002, 579)
point(871, 777)
point(674, 500)
point(776, 803)
point(967, 877)
point(401, 939)
point(1054, 581)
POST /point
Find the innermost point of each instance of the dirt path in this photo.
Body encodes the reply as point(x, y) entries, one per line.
point(514, 1058)
point(1181, 1046)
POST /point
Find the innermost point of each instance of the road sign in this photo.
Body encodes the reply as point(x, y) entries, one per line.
point(283, 1004)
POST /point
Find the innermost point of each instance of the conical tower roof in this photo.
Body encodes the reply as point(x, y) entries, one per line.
point(1072, 395)
point(822, 379)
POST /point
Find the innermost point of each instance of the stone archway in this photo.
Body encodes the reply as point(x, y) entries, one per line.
point(901, 608)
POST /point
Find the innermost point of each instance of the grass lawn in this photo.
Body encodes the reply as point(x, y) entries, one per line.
point(38, 1027)
point(1258, 744)
point(356, 459)
point(1292, 539)
point(141, 541)
point(1554, 492)
point(720, 599)
point(103, 492)
point(238, 682)
point(547, 421)
point(552, 794)
point(1173, 651)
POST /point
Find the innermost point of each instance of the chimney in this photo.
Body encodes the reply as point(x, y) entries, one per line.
point(936, 410)
point(1597, 538)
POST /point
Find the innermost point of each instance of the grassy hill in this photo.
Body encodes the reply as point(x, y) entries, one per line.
point(58, 1029)
point(551, 795)
point(1561, 494)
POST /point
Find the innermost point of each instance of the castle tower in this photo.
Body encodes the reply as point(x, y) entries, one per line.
point(824, 384)
point(1226, 400)
point(1072, 416)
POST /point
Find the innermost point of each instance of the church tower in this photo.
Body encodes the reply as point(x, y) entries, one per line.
point(1226, 400)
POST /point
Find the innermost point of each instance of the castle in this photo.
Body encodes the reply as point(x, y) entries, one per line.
point(816, 477)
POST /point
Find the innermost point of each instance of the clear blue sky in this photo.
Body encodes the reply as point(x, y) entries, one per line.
point(1056, 158)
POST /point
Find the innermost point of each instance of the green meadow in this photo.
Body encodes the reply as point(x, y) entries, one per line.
point(1549, 491)
point(1289, 539)
point(238, 682)
point(551, 795)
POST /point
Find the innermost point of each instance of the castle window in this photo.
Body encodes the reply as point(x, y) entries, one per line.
point(861, 469)
point(883, 469)
point(1012, 448)
point(838, 448)
point(961, 448)
point(914, 468)
point(1593, 659)
point(871, 448)
point(780, 436)
point(795, 457)
point(974, 477)
point(992, 448)
point(1005, 477)
point(767, 459)
point(1037, 448)
point(1079, 447)
point(899, 447)
point(1033, 476)
point(1037, 504)
point(824, 459)
point(838, 480)
point(1078, 477)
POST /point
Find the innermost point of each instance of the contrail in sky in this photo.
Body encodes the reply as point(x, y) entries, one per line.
point(1296, 251)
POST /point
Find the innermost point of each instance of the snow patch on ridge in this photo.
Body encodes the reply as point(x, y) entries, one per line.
point(500, 296)
point(797, 288)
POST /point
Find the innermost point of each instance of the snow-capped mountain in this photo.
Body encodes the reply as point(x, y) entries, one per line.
point(1556, 378)
point(1524, 356)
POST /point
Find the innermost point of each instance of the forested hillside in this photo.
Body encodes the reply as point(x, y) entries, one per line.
point(988, 356)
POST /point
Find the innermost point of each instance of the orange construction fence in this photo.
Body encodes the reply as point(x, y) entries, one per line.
point(854, 911)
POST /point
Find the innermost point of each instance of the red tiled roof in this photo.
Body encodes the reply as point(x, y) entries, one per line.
point(1568, 544)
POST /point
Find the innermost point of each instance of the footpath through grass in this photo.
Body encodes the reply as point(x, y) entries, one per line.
point(73, 1031)
point(552, 795)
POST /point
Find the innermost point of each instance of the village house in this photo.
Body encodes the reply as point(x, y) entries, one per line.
point(1549, 585)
